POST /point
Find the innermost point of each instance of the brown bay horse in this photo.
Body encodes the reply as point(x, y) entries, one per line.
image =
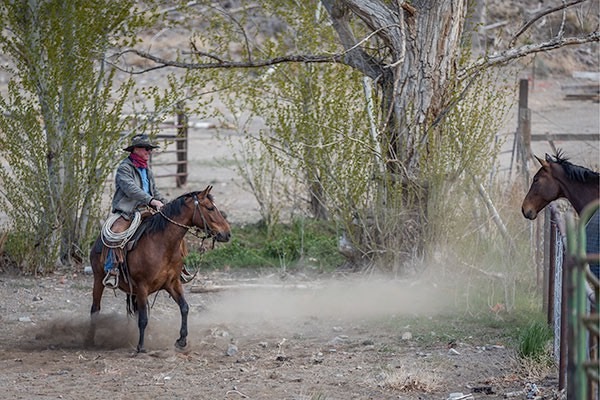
point(559, 178)
point(156, 261)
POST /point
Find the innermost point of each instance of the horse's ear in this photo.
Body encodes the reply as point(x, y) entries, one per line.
point(208, 189)
point(549, 158)
point(542, 162)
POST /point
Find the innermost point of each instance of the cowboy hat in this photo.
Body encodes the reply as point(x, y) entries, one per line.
point(140, 141)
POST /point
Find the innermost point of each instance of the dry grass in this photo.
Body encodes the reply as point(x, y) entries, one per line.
point(537, 370)
point(407, 379)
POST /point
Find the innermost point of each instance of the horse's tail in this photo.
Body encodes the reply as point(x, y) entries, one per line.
point(97, 256)
point(132, 306)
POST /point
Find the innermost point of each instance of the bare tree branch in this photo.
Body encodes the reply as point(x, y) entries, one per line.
point(539, 15)
point(164, 63)
point(354, 55)
point(489, 61)
point(520, 52)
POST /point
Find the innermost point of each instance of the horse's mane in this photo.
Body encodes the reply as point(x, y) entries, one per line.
point(157, 223)
point(576, 172)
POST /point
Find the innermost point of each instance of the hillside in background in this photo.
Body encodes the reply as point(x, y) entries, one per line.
point(504, 18)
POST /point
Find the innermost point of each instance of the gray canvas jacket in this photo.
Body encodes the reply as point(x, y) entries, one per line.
point(129, 194)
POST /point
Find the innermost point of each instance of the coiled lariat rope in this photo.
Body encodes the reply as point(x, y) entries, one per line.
point(115, 240)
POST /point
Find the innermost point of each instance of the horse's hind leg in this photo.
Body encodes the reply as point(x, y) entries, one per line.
point(95, 310)
point(177, 294)
point(98, 270)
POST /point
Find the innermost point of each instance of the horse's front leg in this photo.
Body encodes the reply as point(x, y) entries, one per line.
point(142, 310)
point(177, 295)
point(183, 330)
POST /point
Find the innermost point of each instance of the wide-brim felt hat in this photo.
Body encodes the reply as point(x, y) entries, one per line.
point(140, 141)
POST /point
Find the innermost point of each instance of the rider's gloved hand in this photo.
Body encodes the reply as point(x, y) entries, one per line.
point(157, 204)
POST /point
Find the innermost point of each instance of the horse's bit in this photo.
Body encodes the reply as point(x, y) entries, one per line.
point(196, 231)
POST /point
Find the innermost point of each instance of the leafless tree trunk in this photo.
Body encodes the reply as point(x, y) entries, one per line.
point(420, 44)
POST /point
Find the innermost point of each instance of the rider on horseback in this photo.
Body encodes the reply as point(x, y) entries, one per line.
point(135, 191)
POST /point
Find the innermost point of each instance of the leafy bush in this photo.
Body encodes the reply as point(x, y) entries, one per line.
point(299, 244)
point(17, 253)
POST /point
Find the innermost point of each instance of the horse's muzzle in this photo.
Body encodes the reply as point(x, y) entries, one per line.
point(529, 214)
point(223, 236)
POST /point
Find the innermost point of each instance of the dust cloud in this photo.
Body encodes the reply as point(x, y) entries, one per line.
point(346, 300)
point(114, 331)
point(259, 308)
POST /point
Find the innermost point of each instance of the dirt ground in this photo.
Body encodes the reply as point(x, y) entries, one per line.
point(283, 339)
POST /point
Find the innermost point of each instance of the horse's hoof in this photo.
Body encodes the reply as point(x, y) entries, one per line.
point(141, 351)
point(180, 344)
point(89, 341)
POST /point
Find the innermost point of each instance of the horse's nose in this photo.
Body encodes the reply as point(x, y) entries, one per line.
point(529, 214)
point(223, 236)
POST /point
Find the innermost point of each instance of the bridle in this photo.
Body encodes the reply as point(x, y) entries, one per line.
point(194, 230)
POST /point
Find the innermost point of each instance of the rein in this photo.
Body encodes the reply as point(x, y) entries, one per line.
point(197, 230)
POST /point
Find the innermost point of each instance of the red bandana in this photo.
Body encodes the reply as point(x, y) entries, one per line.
point(138, 161)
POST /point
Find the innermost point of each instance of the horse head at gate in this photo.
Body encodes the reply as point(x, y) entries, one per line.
point(559, 178)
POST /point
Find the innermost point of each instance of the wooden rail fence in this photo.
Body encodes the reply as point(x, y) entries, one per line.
point(180, 140)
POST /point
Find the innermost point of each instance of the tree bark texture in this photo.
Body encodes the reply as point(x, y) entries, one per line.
point(410, 51)
point(417, 48)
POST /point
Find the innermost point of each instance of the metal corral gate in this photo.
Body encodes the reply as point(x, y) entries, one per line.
point(575, 322)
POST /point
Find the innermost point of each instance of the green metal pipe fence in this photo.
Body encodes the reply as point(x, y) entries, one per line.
point(583, 318)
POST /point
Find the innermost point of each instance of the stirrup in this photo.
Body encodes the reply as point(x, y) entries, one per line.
point(111, 280)
point(185, 276)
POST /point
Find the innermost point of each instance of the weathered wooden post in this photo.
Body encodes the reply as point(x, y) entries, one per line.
point(524, 130)
point(182, 146)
